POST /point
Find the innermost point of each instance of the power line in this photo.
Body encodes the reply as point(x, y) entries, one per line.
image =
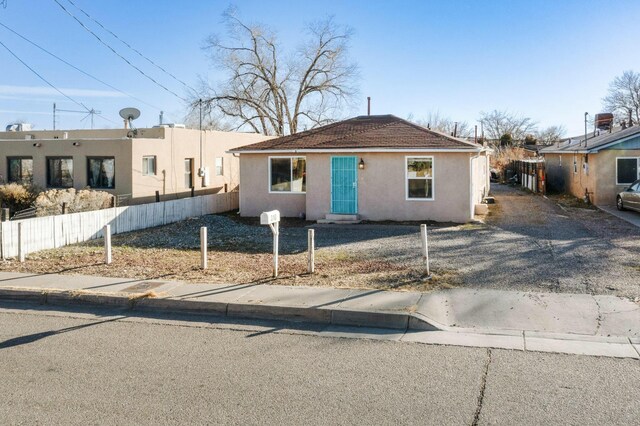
point(133, 48)
point(78, 69)
point(117, 54)
point(52, 86)
point(42, 78)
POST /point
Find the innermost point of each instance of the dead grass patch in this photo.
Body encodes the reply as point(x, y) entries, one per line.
point(334, 268)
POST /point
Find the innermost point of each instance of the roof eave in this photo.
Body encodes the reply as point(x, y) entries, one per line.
point(336, 150)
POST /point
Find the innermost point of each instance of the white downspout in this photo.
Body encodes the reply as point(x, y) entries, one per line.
point(472, 204)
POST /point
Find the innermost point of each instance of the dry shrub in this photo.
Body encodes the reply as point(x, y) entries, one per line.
point(503, 156)
point(17, 197)
point(50, 202)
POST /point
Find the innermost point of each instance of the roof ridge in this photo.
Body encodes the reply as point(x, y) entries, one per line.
point(358, 132)
point(305, 133)
point(438, 133)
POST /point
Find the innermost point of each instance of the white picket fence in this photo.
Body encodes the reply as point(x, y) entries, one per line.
point(49, 232)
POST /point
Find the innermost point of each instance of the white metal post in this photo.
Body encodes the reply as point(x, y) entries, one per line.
point(203, 247)
point(21, 253)
point(311, 268)
point(275, 228)
point(107, 244)
point(425, 248)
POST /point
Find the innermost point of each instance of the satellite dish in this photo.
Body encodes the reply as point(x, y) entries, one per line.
point(129, 113)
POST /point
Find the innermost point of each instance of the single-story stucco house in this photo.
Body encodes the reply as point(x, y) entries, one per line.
point(602, 167)
point(377, 167)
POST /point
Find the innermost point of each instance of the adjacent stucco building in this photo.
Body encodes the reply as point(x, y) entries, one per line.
point(600, 168)
point(370, 168)
point(128, 163)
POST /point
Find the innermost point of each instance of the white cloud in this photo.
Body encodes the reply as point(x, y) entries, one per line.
point(48, 91)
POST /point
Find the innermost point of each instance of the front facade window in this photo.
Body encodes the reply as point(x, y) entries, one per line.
point(627, 170)
point(188, 172)
point(419, 174)
point(219, 166)
point(287, 174)
point(60, 172)
point(149, 165)
point(20, 169)
point(101, 172)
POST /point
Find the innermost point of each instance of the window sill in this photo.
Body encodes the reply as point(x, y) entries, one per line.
point(287, 192)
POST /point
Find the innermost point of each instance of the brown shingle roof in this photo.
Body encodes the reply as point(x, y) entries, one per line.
point(375, 131)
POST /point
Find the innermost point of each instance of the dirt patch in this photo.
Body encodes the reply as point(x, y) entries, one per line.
point(334, 268)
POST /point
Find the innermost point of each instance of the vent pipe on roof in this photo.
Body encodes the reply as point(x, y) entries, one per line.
point(368, 105)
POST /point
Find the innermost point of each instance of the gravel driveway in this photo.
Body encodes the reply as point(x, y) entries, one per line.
point(527, 243)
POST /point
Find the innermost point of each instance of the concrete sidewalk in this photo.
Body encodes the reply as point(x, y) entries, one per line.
point(626, 215)
point(570, 323)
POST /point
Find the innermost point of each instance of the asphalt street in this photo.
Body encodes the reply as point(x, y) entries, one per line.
point(68, 366)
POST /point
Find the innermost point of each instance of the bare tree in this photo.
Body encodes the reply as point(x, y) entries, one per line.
point(277, 94)
point(549, 135)
point(497, 124)
point(623, 97)
point(446, 125)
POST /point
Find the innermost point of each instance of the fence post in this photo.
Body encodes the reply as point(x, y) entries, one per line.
point(3, 253)
point(425, 248)
point(107, 244)
point(21, 252)
point(203, 247)
point(311, 267)
point(64, 208)
point(157, 196)
point(5, 215)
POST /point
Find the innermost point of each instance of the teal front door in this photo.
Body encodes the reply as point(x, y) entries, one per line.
point(344, 185)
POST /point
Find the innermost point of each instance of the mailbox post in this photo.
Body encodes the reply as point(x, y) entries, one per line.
point(272, 218)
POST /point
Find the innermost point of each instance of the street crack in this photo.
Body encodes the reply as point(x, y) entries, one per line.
point(483, 385)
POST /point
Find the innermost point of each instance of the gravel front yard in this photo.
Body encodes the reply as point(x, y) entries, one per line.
point(527, 243)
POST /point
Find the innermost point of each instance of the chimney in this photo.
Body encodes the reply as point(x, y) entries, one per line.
point(368, 105)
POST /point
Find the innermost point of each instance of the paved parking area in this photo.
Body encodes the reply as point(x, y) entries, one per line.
point(626, 215)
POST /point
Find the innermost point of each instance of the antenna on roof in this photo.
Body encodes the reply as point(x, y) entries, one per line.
point(585, 128)
point(129, 114)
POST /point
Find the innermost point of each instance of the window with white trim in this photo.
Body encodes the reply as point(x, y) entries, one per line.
point(627, 170)
point(419, 172)
point(219, 164)
point(149, 165)
point(287, 174)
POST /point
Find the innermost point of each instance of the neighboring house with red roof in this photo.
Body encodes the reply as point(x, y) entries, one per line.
point(377, 167)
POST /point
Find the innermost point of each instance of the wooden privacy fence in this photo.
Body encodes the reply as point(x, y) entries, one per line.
point(49, 232)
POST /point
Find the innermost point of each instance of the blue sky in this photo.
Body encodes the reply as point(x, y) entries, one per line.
point(549, 60)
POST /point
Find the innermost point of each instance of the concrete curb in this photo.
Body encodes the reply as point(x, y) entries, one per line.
point(140, 302)
point(413, 327)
